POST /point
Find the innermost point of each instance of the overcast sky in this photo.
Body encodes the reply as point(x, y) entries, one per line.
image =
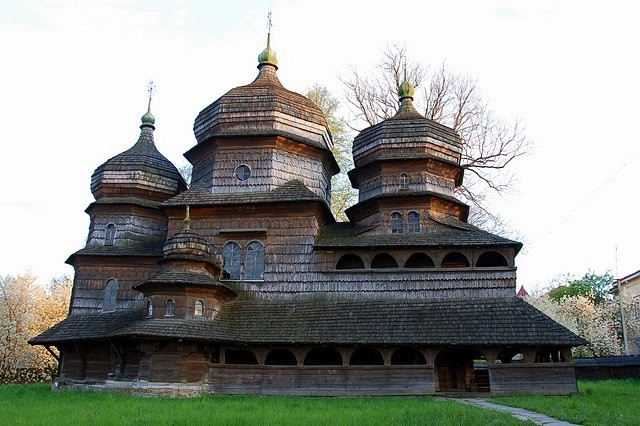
point(73, 81)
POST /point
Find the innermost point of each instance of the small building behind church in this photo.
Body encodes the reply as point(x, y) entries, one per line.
point(244, 283)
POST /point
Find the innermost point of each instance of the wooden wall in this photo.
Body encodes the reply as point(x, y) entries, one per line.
point(321, 381)
point(529, 379)
point(87, 362)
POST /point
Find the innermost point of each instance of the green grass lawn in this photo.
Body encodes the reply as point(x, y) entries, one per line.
point(38, 405)
point(609, 402)
point(597, 403)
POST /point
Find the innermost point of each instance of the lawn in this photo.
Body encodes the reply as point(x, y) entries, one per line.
point(38, 405)
point(608, 402)
point(597, 403)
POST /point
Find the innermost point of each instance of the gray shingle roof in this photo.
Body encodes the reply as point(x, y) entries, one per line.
point(458, 234)
point(262, 107)
point(152, 248)
point(292, 191)
point(143, 156)
point(86, 327)
point(501, 321)
point(201, 279)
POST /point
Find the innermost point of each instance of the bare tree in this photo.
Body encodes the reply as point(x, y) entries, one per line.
point(490, 144)
point(342, 194)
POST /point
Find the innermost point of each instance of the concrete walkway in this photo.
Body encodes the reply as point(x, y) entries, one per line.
point(520, 413)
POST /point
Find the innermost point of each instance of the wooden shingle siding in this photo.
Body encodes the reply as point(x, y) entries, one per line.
point(270, 168)
point(420, 181)
point(129, 229)
point(89, 284)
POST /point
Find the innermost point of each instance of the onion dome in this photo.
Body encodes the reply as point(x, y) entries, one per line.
point(186, 243)
point(406, 90)
point(141, 171)
point(264, 108)
point(268, 56)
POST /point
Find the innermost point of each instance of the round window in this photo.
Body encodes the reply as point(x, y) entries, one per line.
point(242, 172)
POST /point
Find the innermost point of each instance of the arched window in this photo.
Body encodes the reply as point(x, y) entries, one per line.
point(491, 258)
point(455, 260)
point(149, 309)
point(110, 234)
point(255, 261)
point(110, 296)
point(405, 180)
point(350, 261)
point(383, 260)
point(171, 308)
point(419, 260)
point(397, 225)
point(198, 309)
point(413, 224)
point(231, 253)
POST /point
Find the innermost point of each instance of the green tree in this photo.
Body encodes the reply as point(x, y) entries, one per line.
point(342, 194)
point(490, 144)
point(593, 286)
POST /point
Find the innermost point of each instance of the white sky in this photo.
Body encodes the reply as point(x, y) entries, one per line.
point(73, 80)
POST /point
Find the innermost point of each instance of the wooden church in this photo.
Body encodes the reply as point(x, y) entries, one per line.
point(244, 283)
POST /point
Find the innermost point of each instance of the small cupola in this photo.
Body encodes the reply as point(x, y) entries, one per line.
point(140, 172)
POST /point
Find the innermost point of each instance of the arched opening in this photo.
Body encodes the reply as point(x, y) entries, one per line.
point(383, 260)
point(110, 296)
point(550, 354)
point(323, 356)
point(509, 355)
point(280, 357)
point(350, 261)
point(455, 260)
point(240, 356)
point(408, 356)
point(419, 260)
point(462, 369)
point(366, 356)
point(491, 258)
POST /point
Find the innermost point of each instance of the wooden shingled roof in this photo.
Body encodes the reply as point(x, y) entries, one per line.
point(149, 248)
point(500, 321)
point(264, 107)
point(292, 191)
point(137, 167)
point(343, 235)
